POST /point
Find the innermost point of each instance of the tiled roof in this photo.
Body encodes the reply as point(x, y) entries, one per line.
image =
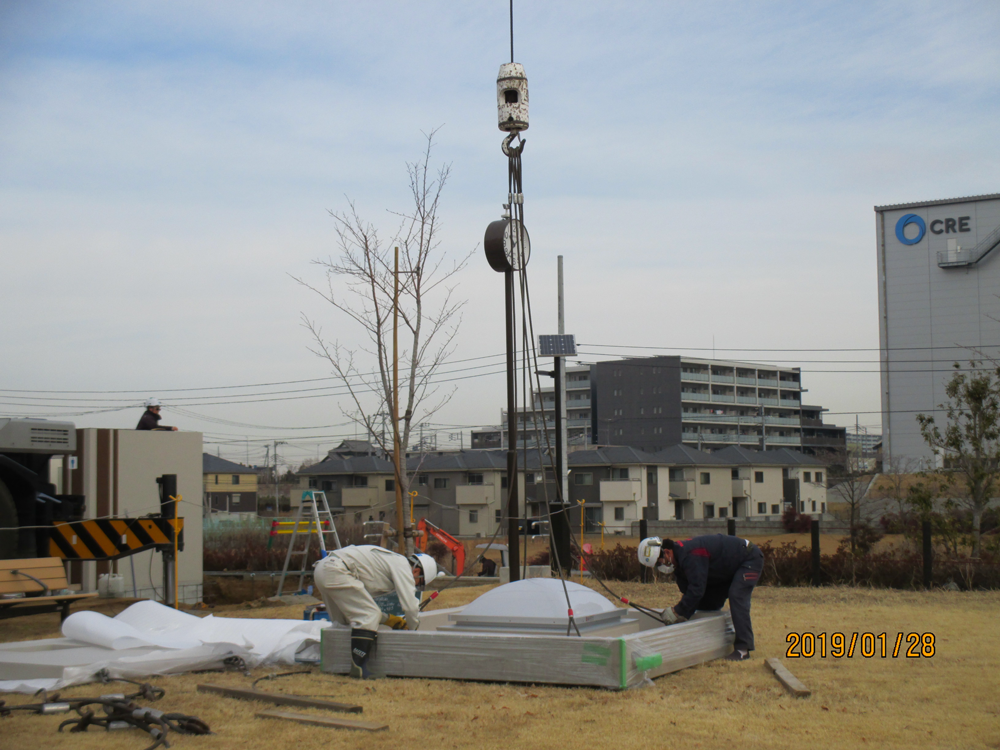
point(214, 465)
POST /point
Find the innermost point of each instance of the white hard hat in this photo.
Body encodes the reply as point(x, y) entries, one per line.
point(428, 565)
point(152, 402)
point(649, 551)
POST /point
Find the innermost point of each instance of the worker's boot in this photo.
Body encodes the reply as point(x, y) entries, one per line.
point(362, 649)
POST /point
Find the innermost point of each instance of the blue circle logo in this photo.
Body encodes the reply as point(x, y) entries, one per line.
point(901, 229)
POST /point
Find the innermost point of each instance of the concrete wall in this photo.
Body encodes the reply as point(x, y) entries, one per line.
point(117, 471)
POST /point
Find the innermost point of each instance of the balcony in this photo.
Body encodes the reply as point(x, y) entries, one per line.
point(746, 399)
point(784, 440)
point(689, 416)
point(746, 381)
point(692, 396)
point(359, 497)
point(682, 489)
point(702, 376)
point(767, 382)
point(741, 488)
point(723, 398)
point(474, 494)
point(768, 401)
point(717, 378)
point(782, 420)
point(620, 490)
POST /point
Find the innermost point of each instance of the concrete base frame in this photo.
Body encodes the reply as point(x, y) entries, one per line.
point(612, 660)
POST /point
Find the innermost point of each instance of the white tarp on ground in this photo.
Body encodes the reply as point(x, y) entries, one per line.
point(149, 639)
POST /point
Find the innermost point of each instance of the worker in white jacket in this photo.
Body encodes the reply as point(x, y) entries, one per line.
point(348, 578)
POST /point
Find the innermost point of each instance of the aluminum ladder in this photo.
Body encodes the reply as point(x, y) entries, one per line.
point(318, 521)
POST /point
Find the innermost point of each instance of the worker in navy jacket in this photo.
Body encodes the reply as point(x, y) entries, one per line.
point(710, 569)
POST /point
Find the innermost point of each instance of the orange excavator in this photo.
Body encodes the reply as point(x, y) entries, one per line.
point(426, 529)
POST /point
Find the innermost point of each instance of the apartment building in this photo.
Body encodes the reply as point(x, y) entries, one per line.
point(530, 420)
point(655, 402)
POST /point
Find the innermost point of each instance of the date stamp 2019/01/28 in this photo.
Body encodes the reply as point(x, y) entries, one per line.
point(838, 645)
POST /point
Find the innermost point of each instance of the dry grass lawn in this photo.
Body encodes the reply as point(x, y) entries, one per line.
point(949, 701)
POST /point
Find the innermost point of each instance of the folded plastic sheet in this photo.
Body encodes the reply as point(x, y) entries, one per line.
point(150, 639)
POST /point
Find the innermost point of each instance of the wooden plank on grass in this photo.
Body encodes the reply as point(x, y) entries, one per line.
point(279, 699)
point(787, 679)
point(323, 721)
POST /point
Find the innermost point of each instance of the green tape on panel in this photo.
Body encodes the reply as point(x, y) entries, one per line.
point(645, 663)
point(595, 653)
point(623, 678)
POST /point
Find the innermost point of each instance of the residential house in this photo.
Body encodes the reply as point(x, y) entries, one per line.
point(228, 487)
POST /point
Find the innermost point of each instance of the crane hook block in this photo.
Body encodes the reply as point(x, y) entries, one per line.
point(512, 98)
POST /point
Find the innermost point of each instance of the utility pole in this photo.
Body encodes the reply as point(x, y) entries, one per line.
point(277, 501)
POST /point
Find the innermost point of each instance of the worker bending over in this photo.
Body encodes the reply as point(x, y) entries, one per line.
point(348, 578)
point(710, 569)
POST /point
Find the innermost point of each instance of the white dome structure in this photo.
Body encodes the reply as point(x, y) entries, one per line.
point(537, 605)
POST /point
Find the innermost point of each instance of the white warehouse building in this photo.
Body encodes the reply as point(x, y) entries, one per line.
point(939, 303)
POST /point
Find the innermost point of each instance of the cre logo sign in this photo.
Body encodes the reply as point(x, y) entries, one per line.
point(904, 222)
point(938, 226)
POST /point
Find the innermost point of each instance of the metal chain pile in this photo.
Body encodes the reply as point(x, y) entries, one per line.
point(120, 711)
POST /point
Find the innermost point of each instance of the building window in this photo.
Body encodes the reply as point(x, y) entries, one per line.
point(677, 475)
point(709, 510)
point(758, 477)
point(619, 432)
point(475, 478)
point(706, 478)
point(440, 483)
point(736, 473)
point(802, 506)
point(583, 478)
point(236, 478)
point(216, 478)
point(360, 481)
point(498, 515)
point(390, 485)
point(651, 476)
point(784, 473)
point(619, 514)
point(775, 509)
point(313, 483)
point(503, 483)
point(762, 508)
point(723, 512)
point(529, 477)
point(234, 499)
point(819, 477)
point(473, 516)
point(619, 473)
point(422, 480)
point(807, 476)
point(329, 485)
point(357, 518)
point(814, 506)
point(822, 507)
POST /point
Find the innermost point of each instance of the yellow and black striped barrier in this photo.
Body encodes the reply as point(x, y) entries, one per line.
point(111, 538)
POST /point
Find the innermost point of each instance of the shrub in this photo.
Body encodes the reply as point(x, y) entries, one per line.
point(618, 564)
point(247, 544)
point(795, 522)
point(541, 558)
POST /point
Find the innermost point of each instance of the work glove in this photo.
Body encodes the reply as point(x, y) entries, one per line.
point(670, 617)
point(396, 622)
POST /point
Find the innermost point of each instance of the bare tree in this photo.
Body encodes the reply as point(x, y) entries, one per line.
point(849, 483)
point(893, 485)
point(429, 315)
point(970, 441)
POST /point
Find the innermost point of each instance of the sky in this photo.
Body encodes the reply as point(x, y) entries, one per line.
point(707, 170)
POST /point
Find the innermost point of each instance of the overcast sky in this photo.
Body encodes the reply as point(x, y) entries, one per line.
point(708, 170)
